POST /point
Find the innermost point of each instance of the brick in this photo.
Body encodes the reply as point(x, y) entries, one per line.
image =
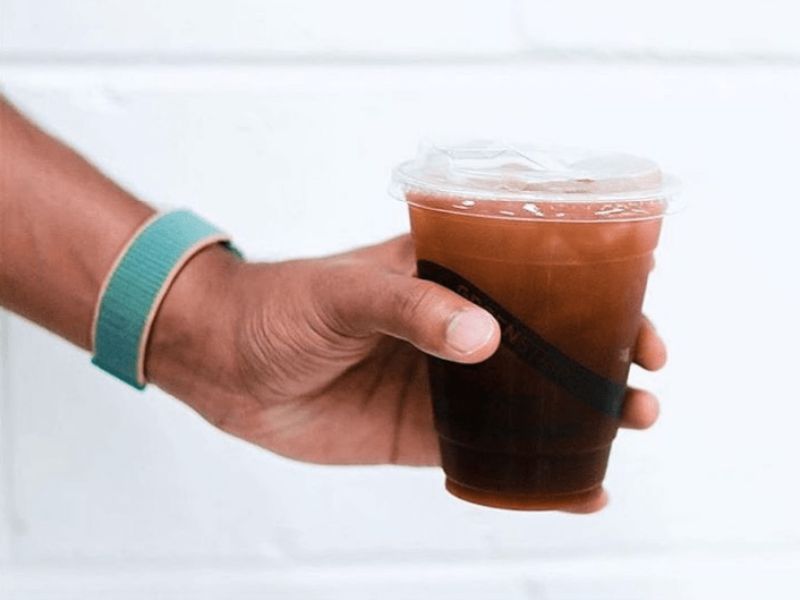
point(246, 29)
point(741, 576)
point(679, 28)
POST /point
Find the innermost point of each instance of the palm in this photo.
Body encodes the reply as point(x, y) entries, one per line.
point(376, 410)
point(332, 397)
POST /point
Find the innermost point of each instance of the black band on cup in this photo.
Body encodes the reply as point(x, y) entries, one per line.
point(584, 384)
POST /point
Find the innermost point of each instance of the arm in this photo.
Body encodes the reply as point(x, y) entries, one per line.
point(62, 224)
point(228, 336)
point(319, 360)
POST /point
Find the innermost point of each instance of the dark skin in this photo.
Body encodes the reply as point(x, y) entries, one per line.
point(320, 360)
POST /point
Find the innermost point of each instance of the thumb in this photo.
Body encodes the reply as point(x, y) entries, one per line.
point(429, 316)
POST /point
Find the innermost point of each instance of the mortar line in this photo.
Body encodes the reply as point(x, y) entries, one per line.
point(7, 509)
point(531, 55)
point(717, 550)
point(4, 488)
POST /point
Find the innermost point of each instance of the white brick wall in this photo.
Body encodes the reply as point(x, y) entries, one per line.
point(250, 28)
point(281, 121)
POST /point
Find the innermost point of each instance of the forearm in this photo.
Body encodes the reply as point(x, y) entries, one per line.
point(62, 224)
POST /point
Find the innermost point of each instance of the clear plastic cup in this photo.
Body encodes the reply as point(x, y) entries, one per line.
point(557, 244)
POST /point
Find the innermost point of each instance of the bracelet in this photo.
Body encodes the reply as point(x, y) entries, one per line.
point(136, 285)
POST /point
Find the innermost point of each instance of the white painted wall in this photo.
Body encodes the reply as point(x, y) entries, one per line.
point(280, 121)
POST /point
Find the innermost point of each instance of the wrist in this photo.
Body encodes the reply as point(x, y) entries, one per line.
point(191, 350)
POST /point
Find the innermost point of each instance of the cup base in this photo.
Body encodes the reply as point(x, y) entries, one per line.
point(519, 501)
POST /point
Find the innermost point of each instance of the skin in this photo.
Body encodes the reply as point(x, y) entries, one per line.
point(319, 360)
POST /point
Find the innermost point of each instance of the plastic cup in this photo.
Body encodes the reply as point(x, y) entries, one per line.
point(557, 244)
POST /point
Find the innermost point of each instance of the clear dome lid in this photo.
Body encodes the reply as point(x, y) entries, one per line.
point(499, 171)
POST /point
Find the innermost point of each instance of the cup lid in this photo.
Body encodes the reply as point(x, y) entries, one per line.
point(492, 170)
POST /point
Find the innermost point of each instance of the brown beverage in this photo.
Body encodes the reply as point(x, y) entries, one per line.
point(563, 265)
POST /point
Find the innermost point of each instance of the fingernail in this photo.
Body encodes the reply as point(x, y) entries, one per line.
point(469, 330)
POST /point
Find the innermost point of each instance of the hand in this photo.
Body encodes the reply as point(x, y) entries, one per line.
point(323, 360)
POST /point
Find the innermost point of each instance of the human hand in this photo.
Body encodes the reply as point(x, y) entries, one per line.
point(323, 360)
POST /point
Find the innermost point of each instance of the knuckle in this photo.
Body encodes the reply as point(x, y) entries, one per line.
point(415, 301)
point(404, 258)
point(330, 297)
point(343, 298)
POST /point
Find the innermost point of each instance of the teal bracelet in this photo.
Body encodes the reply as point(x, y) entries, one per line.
point(136, 285)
